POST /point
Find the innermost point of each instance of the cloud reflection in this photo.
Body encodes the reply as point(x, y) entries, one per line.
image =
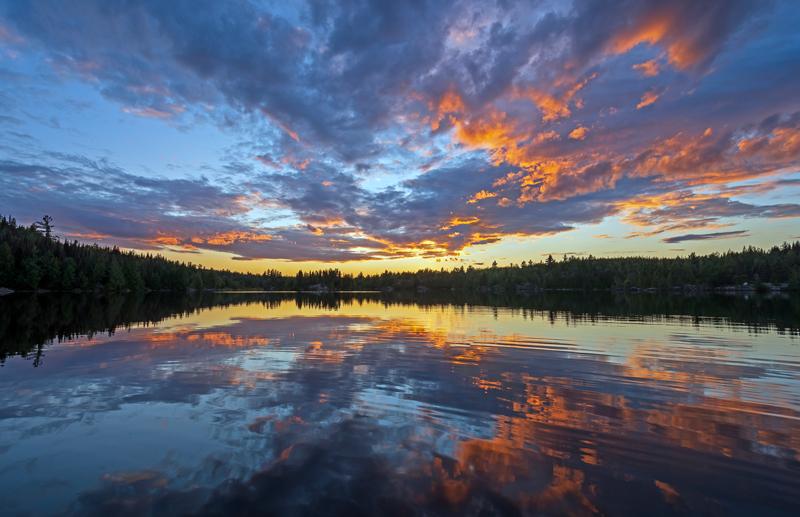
point(367, 407)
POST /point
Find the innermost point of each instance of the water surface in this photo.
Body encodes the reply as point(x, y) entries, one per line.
point(571, 404)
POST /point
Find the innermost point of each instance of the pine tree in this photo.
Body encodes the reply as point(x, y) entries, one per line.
point(31, 274)
point(116, 279)
point(69, 274)
point(6, 265)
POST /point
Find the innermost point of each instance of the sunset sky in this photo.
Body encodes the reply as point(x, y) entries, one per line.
point(398, 135)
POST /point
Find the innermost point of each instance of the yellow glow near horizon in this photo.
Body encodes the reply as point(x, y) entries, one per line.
point(582, 241)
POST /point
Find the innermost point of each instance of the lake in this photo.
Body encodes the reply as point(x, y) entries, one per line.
point(564, 404)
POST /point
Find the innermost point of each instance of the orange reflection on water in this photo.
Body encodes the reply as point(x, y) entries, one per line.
point(541, 411)
point(221, 339)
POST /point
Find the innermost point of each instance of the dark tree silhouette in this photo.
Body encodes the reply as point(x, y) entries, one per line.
point(32, 258)
point(46, 225)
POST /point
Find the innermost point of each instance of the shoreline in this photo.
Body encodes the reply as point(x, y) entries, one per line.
point(678, 290)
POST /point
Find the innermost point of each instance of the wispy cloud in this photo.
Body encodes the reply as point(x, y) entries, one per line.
point(648, 99)
point(704, 236)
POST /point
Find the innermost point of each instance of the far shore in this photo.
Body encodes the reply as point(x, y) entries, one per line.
point(744, 290)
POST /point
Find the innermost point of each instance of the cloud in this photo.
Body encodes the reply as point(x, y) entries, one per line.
point(648, 99)
point(162, 59)
point(373, 130)
point(704, 236)
point(683, 210)
point(579, 133)
point(598, 176)
point(690, 33)
point(97, 201)
point(649, 68)
point(340, 220)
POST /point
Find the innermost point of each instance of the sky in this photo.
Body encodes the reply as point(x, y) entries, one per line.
point(399, 135)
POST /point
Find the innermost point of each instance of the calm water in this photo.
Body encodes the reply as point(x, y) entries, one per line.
point(573, 405)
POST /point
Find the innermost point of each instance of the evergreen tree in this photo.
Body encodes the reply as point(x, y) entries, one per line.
point(116, 279)
point(6, 264)
point(69, 274)
point(31, 274)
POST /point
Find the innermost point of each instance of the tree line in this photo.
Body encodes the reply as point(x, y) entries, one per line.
point(32, 258)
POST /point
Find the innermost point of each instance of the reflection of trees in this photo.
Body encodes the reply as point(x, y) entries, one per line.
point(27, 323)
point(756, 312)
point(535, 430)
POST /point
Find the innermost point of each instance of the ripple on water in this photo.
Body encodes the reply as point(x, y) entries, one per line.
point(283, 407)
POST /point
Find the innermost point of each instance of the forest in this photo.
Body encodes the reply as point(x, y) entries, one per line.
point(33, 258)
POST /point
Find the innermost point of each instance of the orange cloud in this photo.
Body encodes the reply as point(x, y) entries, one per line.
point(687, 210)
point(88, 235)
point(296, 162)
point(508, 140)
point(497, 134)
point(166, 240)
point(648, 68)
point(707, 160)
point(226, 238)
point(564, 184)
point(545, 136)
point(686, 44)
point(554, 107)
point(483, 194)
point(650, 30)
point(684, 157)
point(450, 105)
point(579, 133)
point(490, 131)
point(460, 221)
point(780, 144)
point(649, 98)
point(325, 221)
